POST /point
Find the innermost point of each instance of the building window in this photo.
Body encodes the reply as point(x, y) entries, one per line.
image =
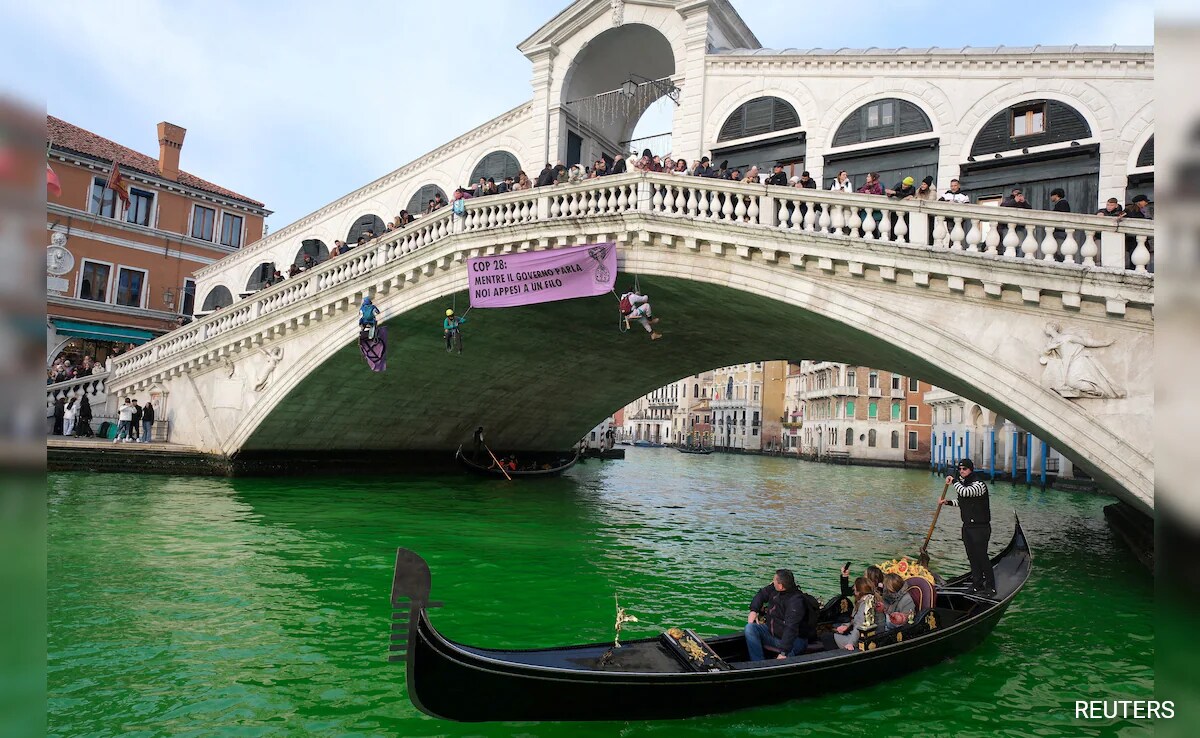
point(849, 408)
point(873, 380)
point(93, 281)
point(913, 384)
point(756, 389)
point(103, 200)
point(851, 378)
point(849, 436)
point(872, 410)
point(871, 438)
point(895, 439)
point(131, 284)
point(896, 382)
point(880, 114)
point(188, 303)
point(202, 222)
point(141, 207)
point(912, 412)
point(895, 411)
point(1029, 120)
point(231, 230)
point(912, 440)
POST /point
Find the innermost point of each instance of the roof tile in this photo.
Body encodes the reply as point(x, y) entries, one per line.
point(73, 138)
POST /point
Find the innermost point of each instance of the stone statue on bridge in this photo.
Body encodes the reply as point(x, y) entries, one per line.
point(274, 355)
point(1071, 370)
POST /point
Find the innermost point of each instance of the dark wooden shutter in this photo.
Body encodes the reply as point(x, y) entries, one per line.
point(1063, 123)
point(759, 116)
point(419, 201)
point(1146, 155)
point(496, 165)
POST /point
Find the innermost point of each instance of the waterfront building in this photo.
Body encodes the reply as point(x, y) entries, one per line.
point(747, 404)
point(669, 414)
point(793, 410)
point(858, 414)
point(120, 259)
point(961, 428)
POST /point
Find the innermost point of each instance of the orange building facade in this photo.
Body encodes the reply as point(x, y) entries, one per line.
point(119, 275)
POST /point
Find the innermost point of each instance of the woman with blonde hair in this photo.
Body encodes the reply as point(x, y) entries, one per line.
point(846, 635)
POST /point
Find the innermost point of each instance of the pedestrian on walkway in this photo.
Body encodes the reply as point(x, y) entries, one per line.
point(124, 420)
point(135, 424)
point(147, 421)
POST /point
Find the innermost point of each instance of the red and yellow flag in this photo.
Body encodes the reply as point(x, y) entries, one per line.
point(116, 183)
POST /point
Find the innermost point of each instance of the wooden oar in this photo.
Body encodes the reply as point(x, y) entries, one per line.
point(923, 558)
point(505, 471)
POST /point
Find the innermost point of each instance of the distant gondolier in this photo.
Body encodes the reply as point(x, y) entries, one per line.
point(478, 438)
point(975, 507)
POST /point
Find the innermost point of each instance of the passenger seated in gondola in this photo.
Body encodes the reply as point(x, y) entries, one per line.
point(874, 575)
point(847, 634)
point(898, 602)
point(778, 618)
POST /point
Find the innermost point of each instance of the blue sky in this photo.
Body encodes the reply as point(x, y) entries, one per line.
point(297, 103)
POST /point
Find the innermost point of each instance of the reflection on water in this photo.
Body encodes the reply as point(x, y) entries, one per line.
point(203, 606)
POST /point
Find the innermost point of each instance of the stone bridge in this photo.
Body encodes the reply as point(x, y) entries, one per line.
point(970, 298)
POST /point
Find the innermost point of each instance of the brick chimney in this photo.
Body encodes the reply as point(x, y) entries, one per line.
point(170, 141)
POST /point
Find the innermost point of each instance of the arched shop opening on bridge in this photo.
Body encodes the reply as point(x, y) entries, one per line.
point(1036, 145)
point(890, 136)
point(1141, 176)
point(311, 247)
point(218, 297)
point(362, 225)
point(496, 166)
point(762, 132)
point(611, 83)
point(419, 202)
point(259, 276)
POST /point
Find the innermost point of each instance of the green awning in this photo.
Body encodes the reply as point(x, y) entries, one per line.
point(97, 332)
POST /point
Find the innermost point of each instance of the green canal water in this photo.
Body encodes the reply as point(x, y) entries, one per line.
point(250, 607)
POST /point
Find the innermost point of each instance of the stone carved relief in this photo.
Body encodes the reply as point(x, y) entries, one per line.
point(274, 355)
point(618, 12)
point(1071, 370)
point(58, 259)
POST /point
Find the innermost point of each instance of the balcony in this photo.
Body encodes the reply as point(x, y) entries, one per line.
point(898, 394)
point(874, 392)
point(840, 390)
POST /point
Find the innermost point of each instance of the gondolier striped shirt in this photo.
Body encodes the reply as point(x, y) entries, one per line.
point(973, 502)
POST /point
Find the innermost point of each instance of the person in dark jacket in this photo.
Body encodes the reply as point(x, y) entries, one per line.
point(975, 507)
point(1016, 200)
point(806, 181)
point(1112, 209)
point(1058, 201)
point(778, 176)
point(618, 165)
point(546, 177)
point(135, 426)
point(782, 623)
point(147, 421)
point(83, 424)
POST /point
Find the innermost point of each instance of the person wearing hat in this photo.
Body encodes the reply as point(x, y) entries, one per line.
point(452, 332)
point(778, 176)
point(902, 190)
point(925, 191)
point(975, 508)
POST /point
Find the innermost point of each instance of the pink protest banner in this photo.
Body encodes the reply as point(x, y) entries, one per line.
point(509, 280)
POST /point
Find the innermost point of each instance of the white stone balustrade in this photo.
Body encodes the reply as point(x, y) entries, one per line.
point(986, 232)
point(93, 386)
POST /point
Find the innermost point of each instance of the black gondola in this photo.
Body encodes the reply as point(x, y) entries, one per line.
point(492, 471)
point(666, 677)
point(693, 450)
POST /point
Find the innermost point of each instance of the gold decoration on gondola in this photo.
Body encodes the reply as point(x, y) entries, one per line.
point(872, 647)
point(692, 648)
point(931, 621)
point(844, 605)
point(906, 568)
point(622, 618)
point(899, 637)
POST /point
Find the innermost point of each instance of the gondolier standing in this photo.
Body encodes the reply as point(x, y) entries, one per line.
point(975, 508)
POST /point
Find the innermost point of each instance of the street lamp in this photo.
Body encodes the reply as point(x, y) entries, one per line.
point(169, 297)
point(629, 88)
